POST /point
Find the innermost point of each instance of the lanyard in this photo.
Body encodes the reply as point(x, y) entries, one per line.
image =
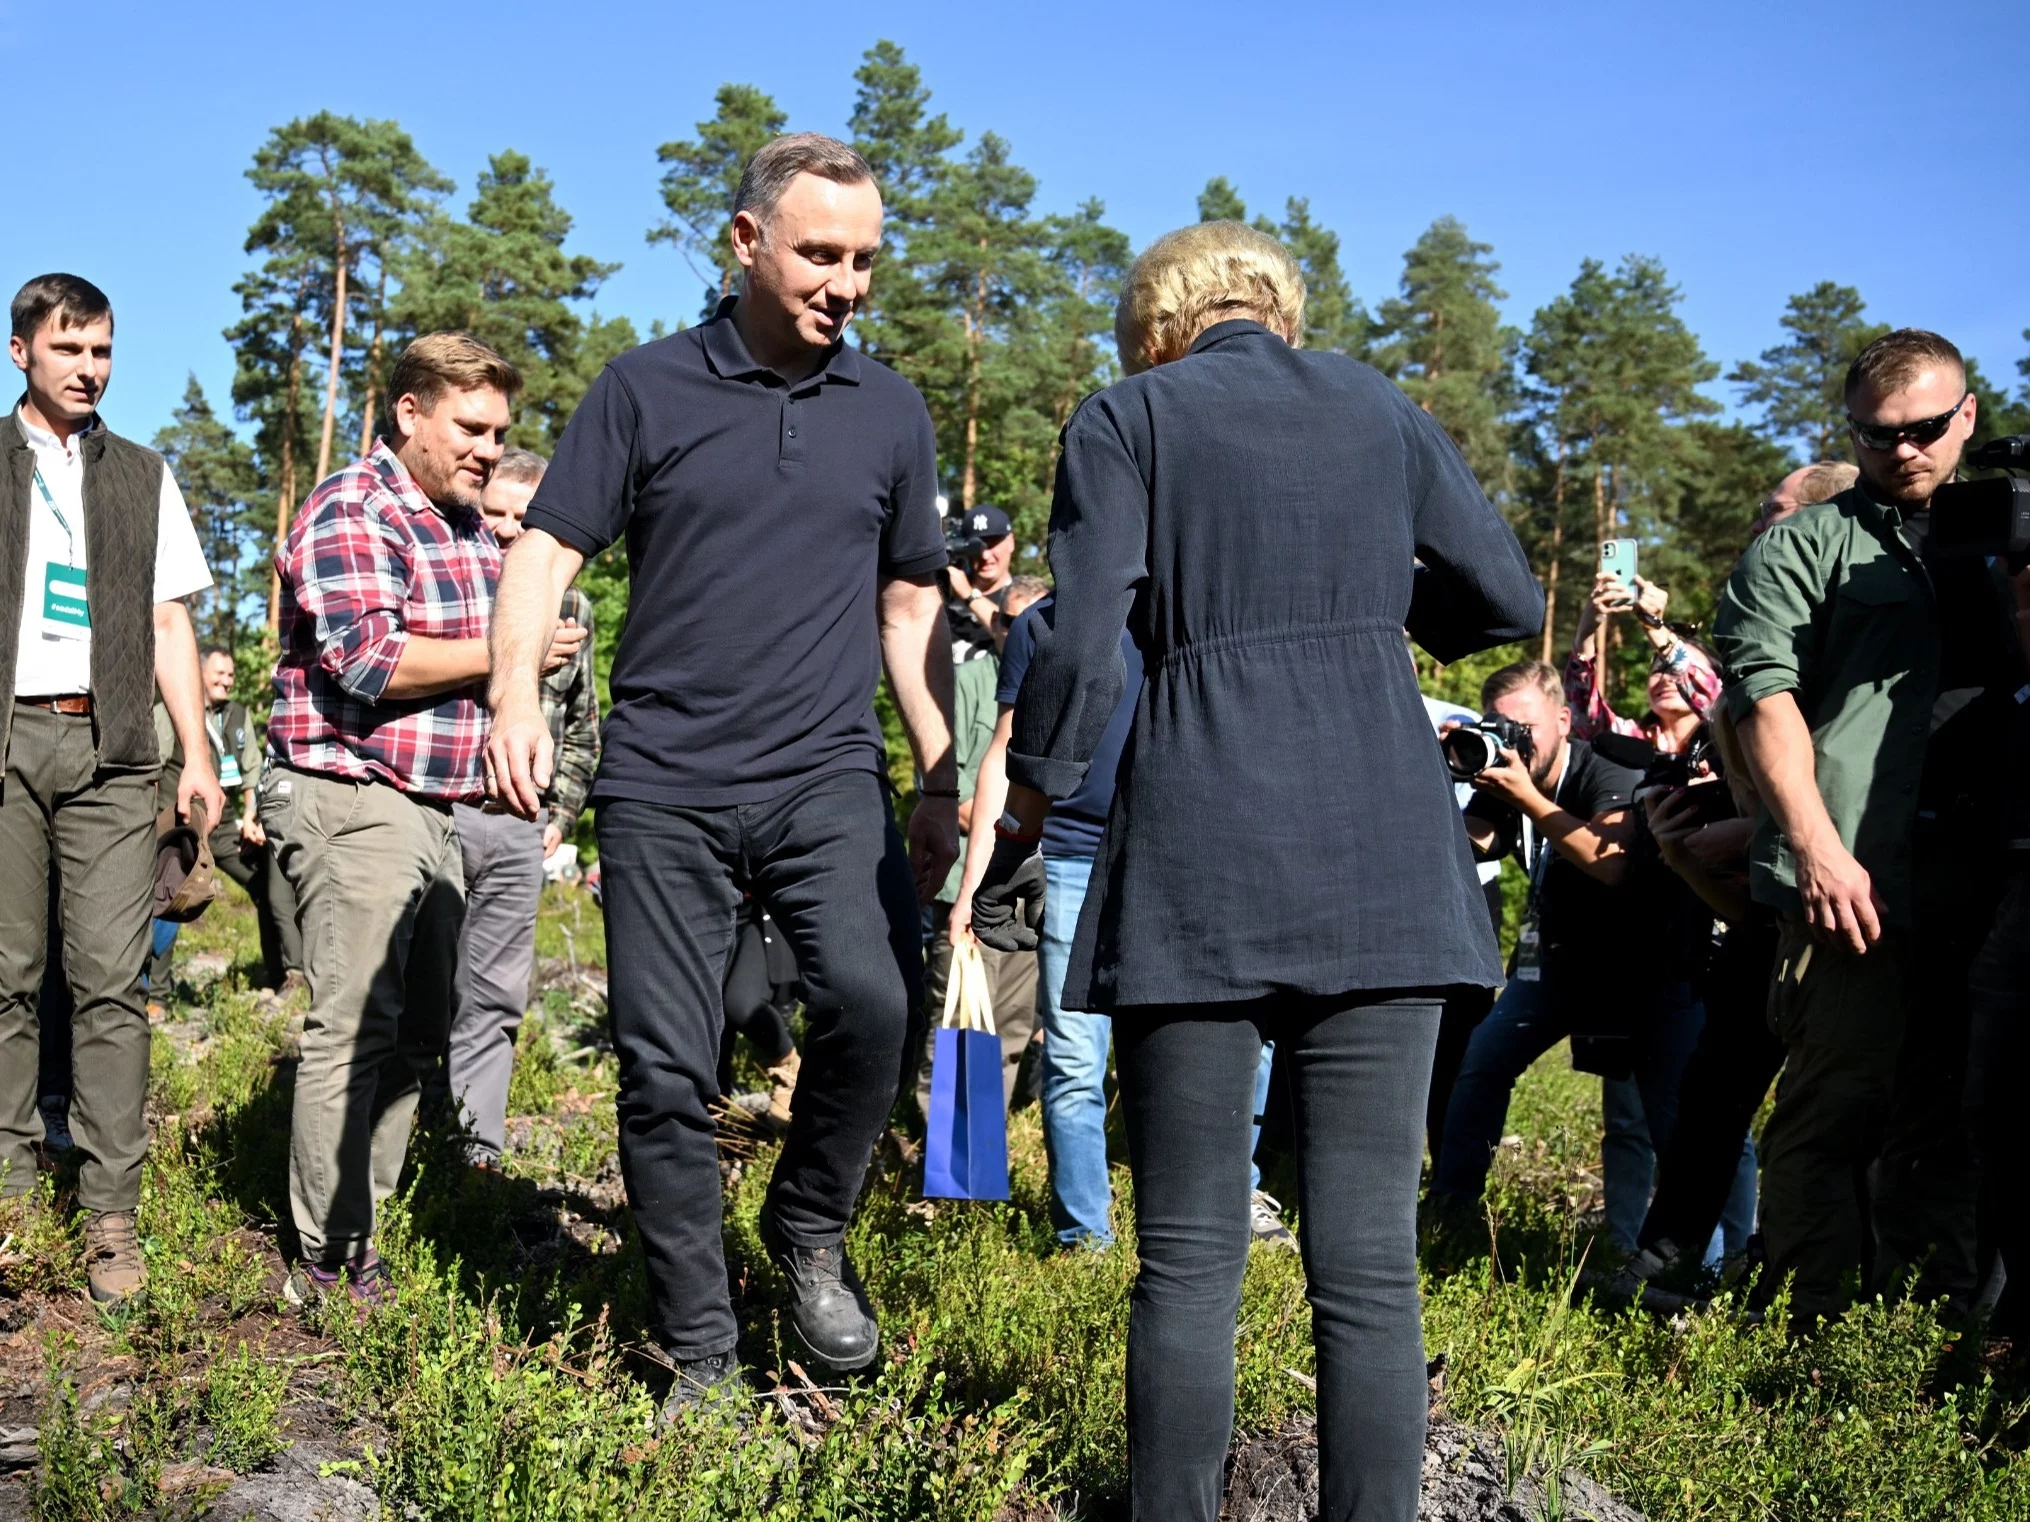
point(70, 555)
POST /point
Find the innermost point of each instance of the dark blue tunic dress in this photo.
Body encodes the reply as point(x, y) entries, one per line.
point(1255, 515)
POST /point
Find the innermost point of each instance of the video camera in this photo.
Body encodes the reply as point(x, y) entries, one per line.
point(1472, 748)
point(1987, 518)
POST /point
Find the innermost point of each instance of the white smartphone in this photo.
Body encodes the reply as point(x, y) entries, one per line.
point(1617, 559)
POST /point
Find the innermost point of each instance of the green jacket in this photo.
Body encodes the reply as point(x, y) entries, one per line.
point(974, 714)
point(1833, 606)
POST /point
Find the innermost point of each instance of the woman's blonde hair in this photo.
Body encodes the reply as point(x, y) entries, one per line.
point(1210, 272)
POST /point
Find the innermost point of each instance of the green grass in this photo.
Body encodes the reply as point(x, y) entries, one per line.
point(509, 1378)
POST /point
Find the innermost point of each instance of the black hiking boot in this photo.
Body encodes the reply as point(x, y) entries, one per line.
point(702, 1383)
point(828, 1307)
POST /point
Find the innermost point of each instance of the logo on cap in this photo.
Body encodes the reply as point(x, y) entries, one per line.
point(979, 520)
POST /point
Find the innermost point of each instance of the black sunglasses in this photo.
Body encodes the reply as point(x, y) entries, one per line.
point(1888, 435)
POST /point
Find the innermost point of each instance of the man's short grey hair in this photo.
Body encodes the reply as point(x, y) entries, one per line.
point(520, 465)
point(770, 171)
point(1825, 480)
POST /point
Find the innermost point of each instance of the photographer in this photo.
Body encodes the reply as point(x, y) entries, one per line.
point(1582, 965)
point(981, 544)
point(1868, 684)
point(1683, 682)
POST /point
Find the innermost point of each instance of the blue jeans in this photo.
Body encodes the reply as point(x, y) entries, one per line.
point(1515, 1034)
point(1628, 1165)
point(1074, 1069)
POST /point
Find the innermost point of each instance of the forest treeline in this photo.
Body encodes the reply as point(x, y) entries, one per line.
point(1591, 421)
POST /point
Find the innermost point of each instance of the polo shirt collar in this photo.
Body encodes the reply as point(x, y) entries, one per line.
point(727, 351)
point(1232, 328)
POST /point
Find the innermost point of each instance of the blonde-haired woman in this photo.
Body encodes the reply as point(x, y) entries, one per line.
point(1284, 859)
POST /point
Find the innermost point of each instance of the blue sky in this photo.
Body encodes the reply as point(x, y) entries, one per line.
point(1754, 149)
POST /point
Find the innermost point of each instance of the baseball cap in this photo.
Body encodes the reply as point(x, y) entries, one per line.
point(986, 522)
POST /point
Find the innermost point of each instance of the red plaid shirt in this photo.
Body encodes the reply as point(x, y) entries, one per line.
point(369, 562)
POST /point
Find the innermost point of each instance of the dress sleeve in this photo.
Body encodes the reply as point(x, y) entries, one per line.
point(1099, 553)
point(1474, 588)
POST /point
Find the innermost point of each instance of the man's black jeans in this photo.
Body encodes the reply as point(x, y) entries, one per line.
point(1724, 1085)
point(1359, 1064)
point(827, 862)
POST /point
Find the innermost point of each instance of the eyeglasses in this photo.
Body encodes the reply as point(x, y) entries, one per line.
point(1888, 435)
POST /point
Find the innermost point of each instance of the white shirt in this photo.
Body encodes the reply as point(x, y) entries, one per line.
point(49, 666)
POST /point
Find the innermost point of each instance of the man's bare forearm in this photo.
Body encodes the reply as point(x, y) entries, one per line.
point(990, 797)
point(916, 648)
point(1595, 846)
point(428, 666)
point(532, 582)
point(1776, 743)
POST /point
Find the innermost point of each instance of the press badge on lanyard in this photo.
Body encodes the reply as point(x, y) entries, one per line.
point(66, 613)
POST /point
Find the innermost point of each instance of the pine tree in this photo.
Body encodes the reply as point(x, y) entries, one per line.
point(907, 150)
point(1443, 341)
point(1333, 319)
point(221, 487)
point(702, 179)
point(1220, 202)
point(1800, 384)
point(346, 195)
point(269, 351)
point(503, 276)
point(1611, 371)
point(981, 257)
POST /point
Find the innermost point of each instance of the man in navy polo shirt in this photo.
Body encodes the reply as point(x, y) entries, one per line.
point(742, 752)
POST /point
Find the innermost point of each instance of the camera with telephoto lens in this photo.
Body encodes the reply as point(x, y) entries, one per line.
point(1989, 518)
point(1472, 748)
point(962, 546)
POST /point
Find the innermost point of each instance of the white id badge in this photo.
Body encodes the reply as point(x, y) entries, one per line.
point(66, 614)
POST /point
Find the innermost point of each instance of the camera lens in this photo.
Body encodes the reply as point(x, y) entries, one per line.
point(1469, 752)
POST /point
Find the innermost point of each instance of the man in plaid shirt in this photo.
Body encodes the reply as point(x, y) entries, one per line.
point(378, 730)
point(503, 857)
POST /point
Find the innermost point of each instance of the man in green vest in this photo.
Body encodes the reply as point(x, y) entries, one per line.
point(96, 552)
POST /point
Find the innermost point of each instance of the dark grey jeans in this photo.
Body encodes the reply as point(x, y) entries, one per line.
point(826, 861)
point(503, 859)
point(100, 828)
point(1360, 1066)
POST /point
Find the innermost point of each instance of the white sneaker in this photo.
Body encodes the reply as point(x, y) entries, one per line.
point(1265, 1221)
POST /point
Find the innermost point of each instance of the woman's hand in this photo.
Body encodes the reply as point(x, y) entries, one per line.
point(1650, 599)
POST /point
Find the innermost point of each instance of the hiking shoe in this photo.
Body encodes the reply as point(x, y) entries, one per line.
point(1265, 1221)
point(114, 1270)
point(827, 1306)
point(1635, 1280)
point(704, 1382)
point(56, 1135)
point(363, 1280)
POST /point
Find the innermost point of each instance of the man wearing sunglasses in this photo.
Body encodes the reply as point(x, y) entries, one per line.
point(1867, 682)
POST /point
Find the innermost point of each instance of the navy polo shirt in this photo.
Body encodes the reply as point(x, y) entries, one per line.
point(760, 518)
point(1074, 825)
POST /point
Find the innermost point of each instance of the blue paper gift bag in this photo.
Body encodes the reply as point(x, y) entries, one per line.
point(966, 1148)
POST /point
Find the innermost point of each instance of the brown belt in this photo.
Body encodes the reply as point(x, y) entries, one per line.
point(79, 703)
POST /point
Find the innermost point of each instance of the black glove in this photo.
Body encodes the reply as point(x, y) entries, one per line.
point(1014, 871)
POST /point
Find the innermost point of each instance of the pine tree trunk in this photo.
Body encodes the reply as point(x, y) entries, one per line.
point(286, 494)
point(1603, 528)
point(366, 425)
point(1557, 556)
point(337, 356)
point(976, 321)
